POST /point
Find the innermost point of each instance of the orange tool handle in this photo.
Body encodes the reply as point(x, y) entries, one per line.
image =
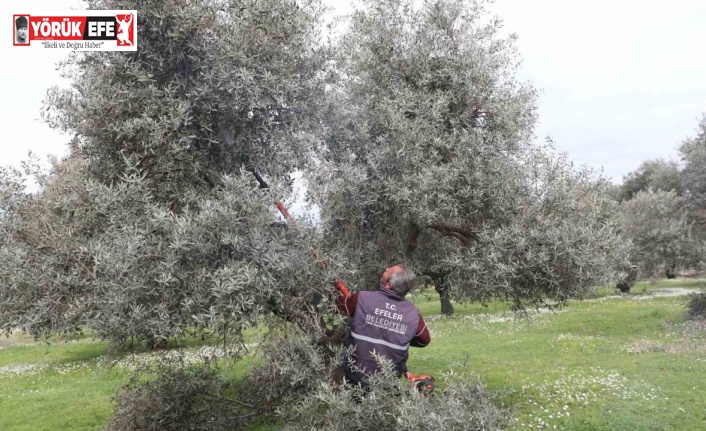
point(283, 210)
point(341, 287)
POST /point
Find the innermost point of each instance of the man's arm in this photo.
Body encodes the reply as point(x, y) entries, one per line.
point(346, 304)
point(422, 337)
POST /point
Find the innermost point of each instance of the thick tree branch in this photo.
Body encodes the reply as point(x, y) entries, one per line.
point(433, 274)
point(412, 239)
point(460, 234)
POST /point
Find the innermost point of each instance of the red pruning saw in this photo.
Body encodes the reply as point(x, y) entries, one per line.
point(424, 383)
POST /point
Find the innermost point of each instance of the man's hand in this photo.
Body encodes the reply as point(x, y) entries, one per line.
point(341, 287)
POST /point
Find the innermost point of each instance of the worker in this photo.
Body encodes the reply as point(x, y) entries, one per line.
point(383, 322)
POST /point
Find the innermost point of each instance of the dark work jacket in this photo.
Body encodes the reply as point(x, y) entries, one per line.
point(385, 324)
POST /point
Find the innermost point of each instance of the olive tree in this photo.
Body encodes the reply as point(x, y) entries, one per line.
point(655, 174)
point(693, 176)
point(154, 224)
point(12, 192)
point(428, 159)
point(656, 223)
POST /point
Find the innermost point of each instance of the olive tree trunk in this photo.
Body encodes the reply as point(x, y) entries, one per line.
point(447, 308)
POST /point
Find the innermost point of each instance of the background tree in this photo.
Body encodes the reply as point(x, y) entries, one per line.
point(657, 225)
point(428, 160)
point(655, 174)
point(12, 192)
point(693, 177)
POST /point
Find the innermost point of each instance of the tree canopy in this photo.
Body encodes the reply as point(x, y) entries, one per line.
point(656, 223)
point(153, 225)
point(428, 159)
point(655, 174)
point(693, 176)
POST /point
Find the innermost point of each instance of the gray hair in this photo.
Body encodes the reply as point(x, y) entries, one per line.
point(402, 281)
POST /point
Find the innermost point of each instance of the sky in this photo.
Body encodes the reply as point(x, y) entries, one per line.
point(620, 81)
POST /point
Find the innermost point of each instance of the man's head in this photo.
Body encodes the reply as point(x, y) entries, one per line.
point(398, 278)
point(21, 26)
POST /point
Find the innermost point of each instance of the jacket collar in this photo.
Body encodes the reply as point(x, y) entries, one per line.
point(389, 292)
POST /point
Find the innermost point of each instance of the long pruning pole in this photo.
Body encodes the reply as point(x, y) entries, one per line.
point(338, 283)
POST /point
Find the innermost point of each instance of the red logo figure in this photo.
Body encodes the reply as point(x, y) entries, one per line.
point(125, 36)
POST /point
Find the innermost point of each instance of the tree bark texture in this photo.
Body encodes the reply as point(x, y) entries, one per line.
point(447, 308)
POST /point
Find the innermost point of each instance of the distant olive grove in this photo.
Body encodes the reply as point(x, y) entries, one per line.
point(663, 206)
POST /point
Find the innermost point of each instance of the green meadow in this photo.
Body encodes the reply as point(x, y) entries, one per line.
point(610, 362)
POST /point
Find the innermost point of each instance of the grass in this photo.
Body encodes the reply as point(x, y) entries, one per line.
point(58, 387)
point(620, 363)
point(611, 363)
